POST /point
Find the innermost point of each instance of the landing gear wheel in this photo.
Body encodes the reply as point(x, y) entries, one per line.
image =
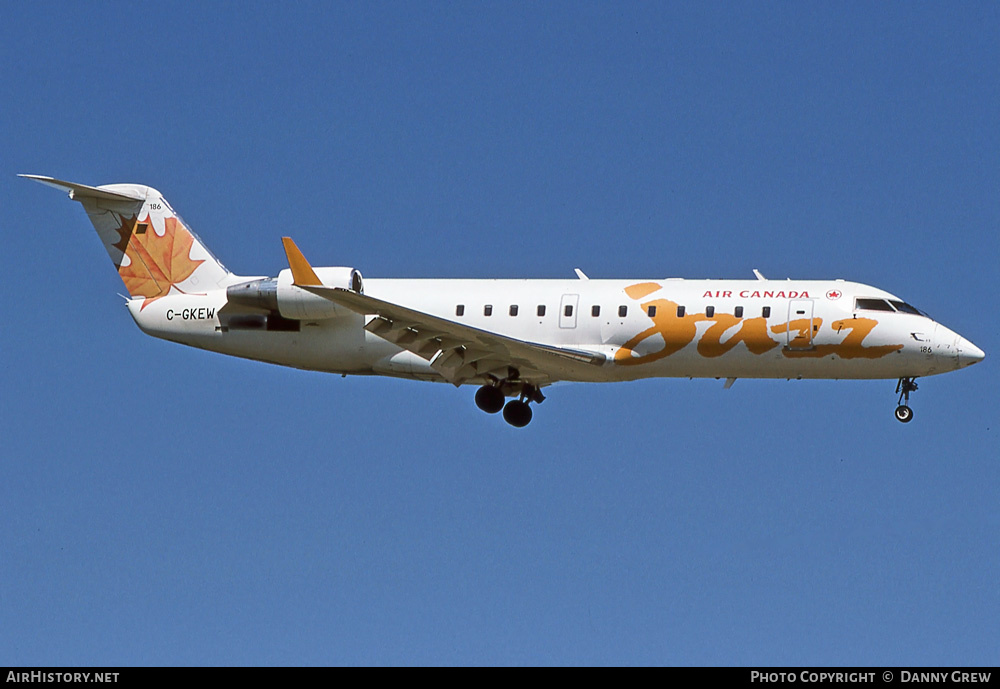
point(904, 388)
point(490, 399)
point(517, 413)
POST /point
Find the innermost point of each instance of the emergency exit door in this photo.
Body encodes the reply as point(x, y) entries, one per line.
point(567, 310)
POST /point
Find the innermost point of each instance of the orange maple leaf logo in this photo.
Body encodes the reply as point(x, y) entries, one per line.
point(156, 263)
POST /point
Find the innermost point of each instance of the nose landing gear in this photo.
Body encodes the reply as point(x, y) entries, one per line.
point(904, 387)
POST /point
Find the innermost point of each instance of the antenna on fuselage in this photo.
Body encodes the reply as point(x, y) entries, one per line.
point(759, 276)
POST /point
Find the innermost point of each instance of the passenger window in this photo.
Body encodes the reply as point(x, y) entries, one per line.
point(541, 310)
point(488, 310)
point(568, 310)
point(680, 312)
point(595, 310)
point(738, 312)
point(766, 312)
point(709, 311)
point(460, 310)
point(651, 311)
point(513, 309)
point(622, 311)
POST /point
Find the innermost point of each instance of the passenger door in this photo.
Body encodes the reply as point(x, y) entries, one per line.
point(801, 326)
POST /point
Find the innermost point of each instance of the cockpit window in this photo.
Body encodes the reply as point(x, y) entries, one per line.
point(887, 305)
point(905, 308)
point(872, 305)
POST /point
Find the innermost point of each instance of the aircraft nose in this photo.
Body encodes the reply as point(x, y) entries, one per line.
point(968, 353)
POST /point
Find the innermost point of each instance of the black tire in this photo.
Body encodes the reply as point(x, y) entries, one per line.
point(904, 413)
point(517, 413)
point(489, 399)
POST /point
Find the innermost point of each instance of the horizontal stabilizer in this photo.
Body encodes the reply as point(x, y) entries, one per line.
point(82, 191)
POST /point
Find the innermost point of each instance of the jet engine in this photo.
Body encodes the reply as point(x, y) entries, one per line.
point(279, 294)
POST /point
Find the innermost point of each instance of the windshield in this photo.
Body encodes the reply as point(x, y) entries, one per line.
point(873, 304)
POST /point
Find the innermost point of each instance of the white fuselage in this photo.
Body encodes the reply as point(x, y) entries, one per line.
point(667, 328)
point(510, 337)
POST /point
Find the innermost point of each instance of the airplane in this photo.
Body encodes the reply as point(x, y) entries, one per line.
point(512, 338)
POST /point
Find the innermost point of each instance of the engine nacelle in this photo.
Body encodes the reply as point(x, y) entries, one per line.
point(261, 293)
point(297, 303)
point(279, 294)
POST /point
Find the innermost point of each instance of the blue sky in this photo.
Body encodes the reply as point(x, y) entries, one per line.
point(163, 505)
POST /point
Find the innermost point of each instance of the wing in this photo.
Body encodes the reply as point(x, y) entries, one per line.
point(458, 352)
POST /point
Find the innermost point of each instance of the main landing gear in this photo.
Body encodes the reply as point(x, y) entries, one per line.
point(490, 398)
point(517, 413)
point(904, 388)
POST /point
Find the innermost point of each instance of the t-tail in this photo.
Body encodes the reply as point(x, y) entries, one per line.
point(153, 250)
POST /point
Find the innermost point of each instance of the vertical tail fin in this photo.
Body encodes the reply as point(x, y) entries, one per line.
point(153, 250)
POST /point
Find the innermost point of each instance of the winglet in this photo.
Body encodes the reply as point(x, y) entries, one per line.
point(302, 272)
